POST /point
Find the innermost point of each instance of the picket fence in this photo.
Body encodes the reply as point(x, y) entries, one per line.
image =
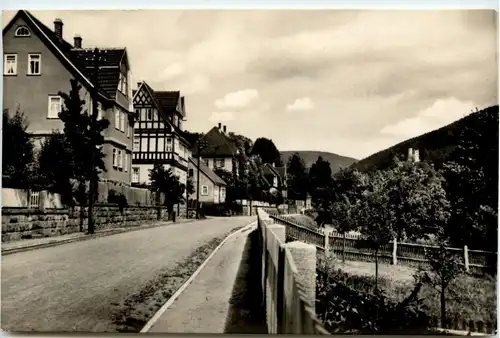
point(409, 254)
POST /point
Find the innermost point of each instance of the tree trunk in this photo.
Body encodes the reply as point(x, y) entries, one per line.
point(82, 216)
point(343, 247)
point(158, 207)
point(376, 267)
point(81, 195)
point(443, 308)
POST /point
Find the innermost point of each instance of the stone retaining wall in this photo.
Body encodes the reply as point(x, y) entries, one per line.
point(24, 223)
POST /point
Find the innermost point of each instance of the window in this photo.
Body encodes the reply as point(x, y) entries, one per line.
point(34, 64)
point(161, 143)
point(55, 106)
point(22, 31)
point(122, 121)
point(125, 162)
point(222, 193)
point(136, 144)
point(150, 115)
point(206, 163)
point(220, 163)
point(127, 125)
point(168, 146)
point(152, 144)
point(114, 158)
point(135, 175)
point(191, 172)
point(204, 190)
point(120, 163)
point(10, 64)
point(144, 144)
point(117, 118)
point(122, 84)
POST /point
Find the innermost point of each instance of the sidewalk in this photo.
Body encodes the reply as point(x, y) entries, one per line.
point(38, 243)
point(222, 298)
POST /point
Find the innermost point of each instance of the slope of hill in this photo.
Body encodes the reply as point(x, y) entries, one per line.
point(435, 146)
point(336, 161)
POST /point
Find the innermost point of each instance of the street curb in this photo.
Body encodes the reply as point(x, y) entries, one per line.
point(181, 289)
point(86, 237)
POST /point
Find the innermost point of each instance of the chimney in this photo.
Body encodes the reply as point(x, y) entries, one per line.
point(77, 39)
point(410, 154)
point(416, 156)
point(224, 129)
point(58, 28)
point(220, 125)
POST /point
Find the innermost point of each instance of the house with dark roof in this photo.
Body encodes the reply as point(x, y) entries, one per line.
point(218, 151)
point(212, 187)
point(158, 133)
point(39, 63)
point(276, 177)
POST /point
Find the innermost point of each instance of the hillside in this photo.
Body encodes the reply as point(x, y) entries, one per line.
point(336, 161)
point(437, 145)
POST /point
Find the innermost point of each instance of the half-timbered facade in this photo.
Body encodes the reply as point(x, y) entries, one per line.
point(157, 133)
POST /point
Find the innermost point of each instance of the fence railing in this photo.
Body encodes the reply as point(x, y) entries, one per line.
point(409, 254)
point(288, 281)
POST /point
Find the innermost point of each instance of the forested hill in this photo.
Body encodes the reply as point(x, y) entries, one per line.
point(336, 161)
point(436, 146)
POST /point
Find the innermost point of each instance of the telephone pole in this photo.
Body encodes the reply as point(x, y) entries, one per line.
point(201, 144)
point(96, 58)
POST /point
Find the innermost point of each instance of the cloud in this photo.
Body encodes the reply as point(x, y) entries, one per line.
point(439, 114)
point(238, 99)
point(221, 116)
point(173, 70)
point(304, 103)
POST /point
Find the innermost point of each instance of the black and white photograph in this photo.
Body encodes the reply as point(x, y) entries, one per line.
point(250, 171)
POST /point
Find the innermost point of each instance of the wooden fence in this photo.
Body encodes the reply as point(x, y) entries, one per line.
point(287, 298)
point(410, 254)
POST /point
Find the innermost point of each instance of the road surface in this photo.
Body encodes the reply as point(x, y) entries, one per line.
point(73, 287)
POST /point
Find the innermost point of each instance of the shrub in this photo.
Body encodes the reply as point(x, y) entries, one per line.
point(117, 198)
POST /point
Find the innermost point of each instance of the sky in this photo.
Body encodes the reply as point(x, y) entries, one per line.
point(351, 82)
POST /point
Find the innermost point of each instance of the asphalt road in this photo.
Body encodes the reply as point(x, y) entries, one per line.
point(73, 287)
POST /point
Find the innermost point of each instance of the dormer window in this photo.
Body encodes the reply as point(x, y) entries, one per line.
point(22, 31)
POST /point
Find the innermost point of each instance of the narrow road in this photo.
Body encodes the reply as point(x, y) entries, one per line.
point(73, 287)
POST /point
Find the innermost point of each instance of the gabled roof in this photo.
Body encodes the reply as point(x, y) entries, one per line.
point(269, 170)
point(77, 61)
point(217, 145)
point(208, 172)
point(163, 101)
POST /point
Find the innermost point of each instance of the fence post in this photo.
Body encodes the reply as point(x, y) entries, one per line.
point(466, 258)
point(395, 251)
point(327, 242)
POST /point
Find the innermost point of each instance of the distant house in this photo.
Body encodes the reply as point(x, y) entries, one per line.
point(212, 187)
point(276, 177)
point(158, 135)
point(219, 151)
point(39, 63)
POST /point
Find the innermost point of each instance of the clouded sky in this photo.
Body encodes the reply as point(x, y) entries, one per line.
point(348, 82)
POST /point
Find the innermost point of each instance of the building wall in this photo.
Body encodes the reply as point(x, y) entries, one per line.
point(31, 94)
point(228, 163)
point(204, 180)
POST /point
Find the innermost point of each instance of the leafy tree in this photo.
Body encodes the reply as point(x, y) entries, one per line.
point(346, 194)
point(231, 180)
point(472, 183)
point(167, 184)
point(319, 181)
point(296, 178)
point(374, 215)
point(192, 137)
point(84, 141)
point(190, 187)
point(267, 151)
point(255, 179)
point(19, 167)
point(56, 167)
point(445, 267)
point(243, 143)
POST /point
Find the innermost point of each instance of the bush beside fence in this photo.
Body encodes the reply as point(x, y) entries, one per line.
point(475, 261)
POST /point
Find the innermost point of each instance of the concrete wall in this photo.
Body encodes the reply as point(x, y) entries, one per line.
point(21, 223)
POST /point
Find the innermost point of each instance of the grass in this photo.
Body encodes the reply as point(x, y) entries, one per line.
point(468, 298)
point(304, 220)
point(138, 308)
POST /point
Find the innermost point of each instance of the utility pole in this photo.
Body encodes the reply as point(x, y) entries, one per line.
point(201, 144)
point(96, 58)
